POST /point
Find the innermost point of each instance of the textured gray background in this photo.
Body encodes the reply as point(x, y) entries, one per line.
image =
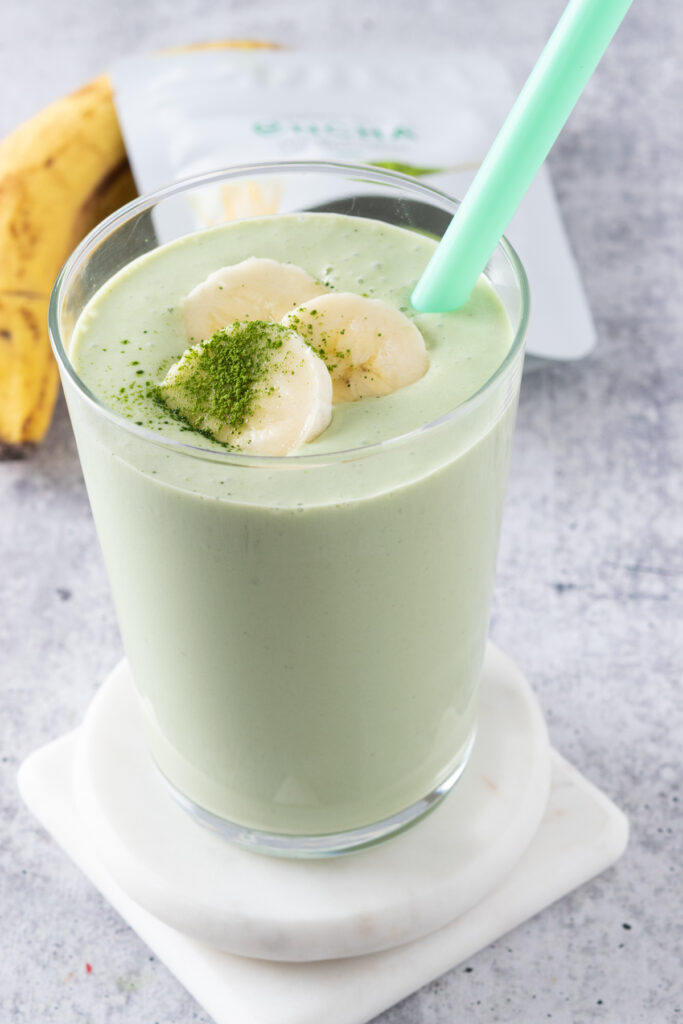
point(589, 595)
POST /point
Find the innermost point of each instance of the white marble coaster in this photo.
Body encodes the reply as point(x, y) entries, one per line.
point(580, 834)
point(241, 902)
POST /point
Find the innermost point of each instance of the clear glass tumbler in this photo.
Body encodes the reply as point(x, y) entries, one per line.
point(290, 746)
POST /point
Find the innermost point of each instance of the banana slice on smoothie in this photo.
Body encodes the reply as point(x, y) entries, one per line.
point(369, 347)
point(254, 385)
point(255, 289)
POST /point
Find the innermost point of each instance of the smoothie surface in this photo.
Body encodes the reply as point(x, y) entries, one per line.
point(132, 329)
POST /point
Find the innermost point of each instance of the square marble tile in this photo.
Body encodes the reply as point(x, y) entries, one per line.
point(581, 834)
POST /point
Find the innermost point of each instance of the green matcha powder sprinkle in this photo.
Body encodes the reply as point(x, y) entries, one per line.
point(219, 378)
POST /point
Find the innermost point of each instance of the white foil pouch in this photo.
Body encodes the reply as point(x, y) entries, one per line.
point(184, 113)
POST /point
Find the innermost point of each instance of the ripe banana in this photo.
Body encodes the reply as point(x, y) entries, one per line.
point(255, 385)
point(256, 289)
point(369, 347)
point(60, 173)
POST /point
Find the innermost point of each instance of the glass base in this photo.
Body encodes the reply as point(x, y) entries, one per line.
point(331, 844)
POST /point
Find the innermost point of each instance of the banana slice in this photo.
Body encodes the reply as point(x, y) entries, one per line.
point(256, 289)
point(254, 385)
point(369, 347)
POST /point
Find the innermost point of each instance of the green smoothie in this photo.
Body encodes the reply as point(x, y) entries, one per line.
point(305, 632)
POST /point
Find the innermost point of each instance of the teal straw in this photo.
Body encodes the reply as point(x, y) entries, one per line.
point(570, 57)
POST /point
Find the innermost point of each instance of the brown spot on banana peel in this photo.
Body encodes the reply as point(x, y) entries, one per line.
point(113, 190)
point(19, 293)
point(111, 180)
point(32, 326)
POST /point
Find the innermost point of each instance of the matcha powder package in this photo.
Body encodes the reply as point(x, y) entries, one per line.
point(186, 112)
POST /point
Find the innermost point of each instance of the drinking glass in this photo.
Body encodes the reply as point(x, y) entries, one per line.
point(305, 633)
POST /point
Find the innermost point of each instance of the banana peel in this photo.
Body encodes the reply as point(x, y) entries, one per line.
point(61, 173)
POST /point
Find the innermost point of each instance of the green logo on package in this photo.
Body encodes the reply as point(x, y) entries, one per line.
point(337, 131)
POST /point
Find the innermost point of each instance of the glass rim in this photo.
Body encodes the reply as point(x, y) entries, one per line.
point(368, 173)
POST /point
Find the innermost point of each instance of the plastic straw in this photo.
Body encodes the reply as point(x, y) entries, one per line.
point(569, 59)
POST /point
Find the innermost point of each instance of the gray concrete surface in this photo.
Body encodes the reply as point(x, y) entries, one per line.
point(590, 589)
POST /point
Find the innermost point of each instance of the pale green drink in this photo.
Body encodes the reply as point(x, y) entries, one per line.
point(305, 633)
